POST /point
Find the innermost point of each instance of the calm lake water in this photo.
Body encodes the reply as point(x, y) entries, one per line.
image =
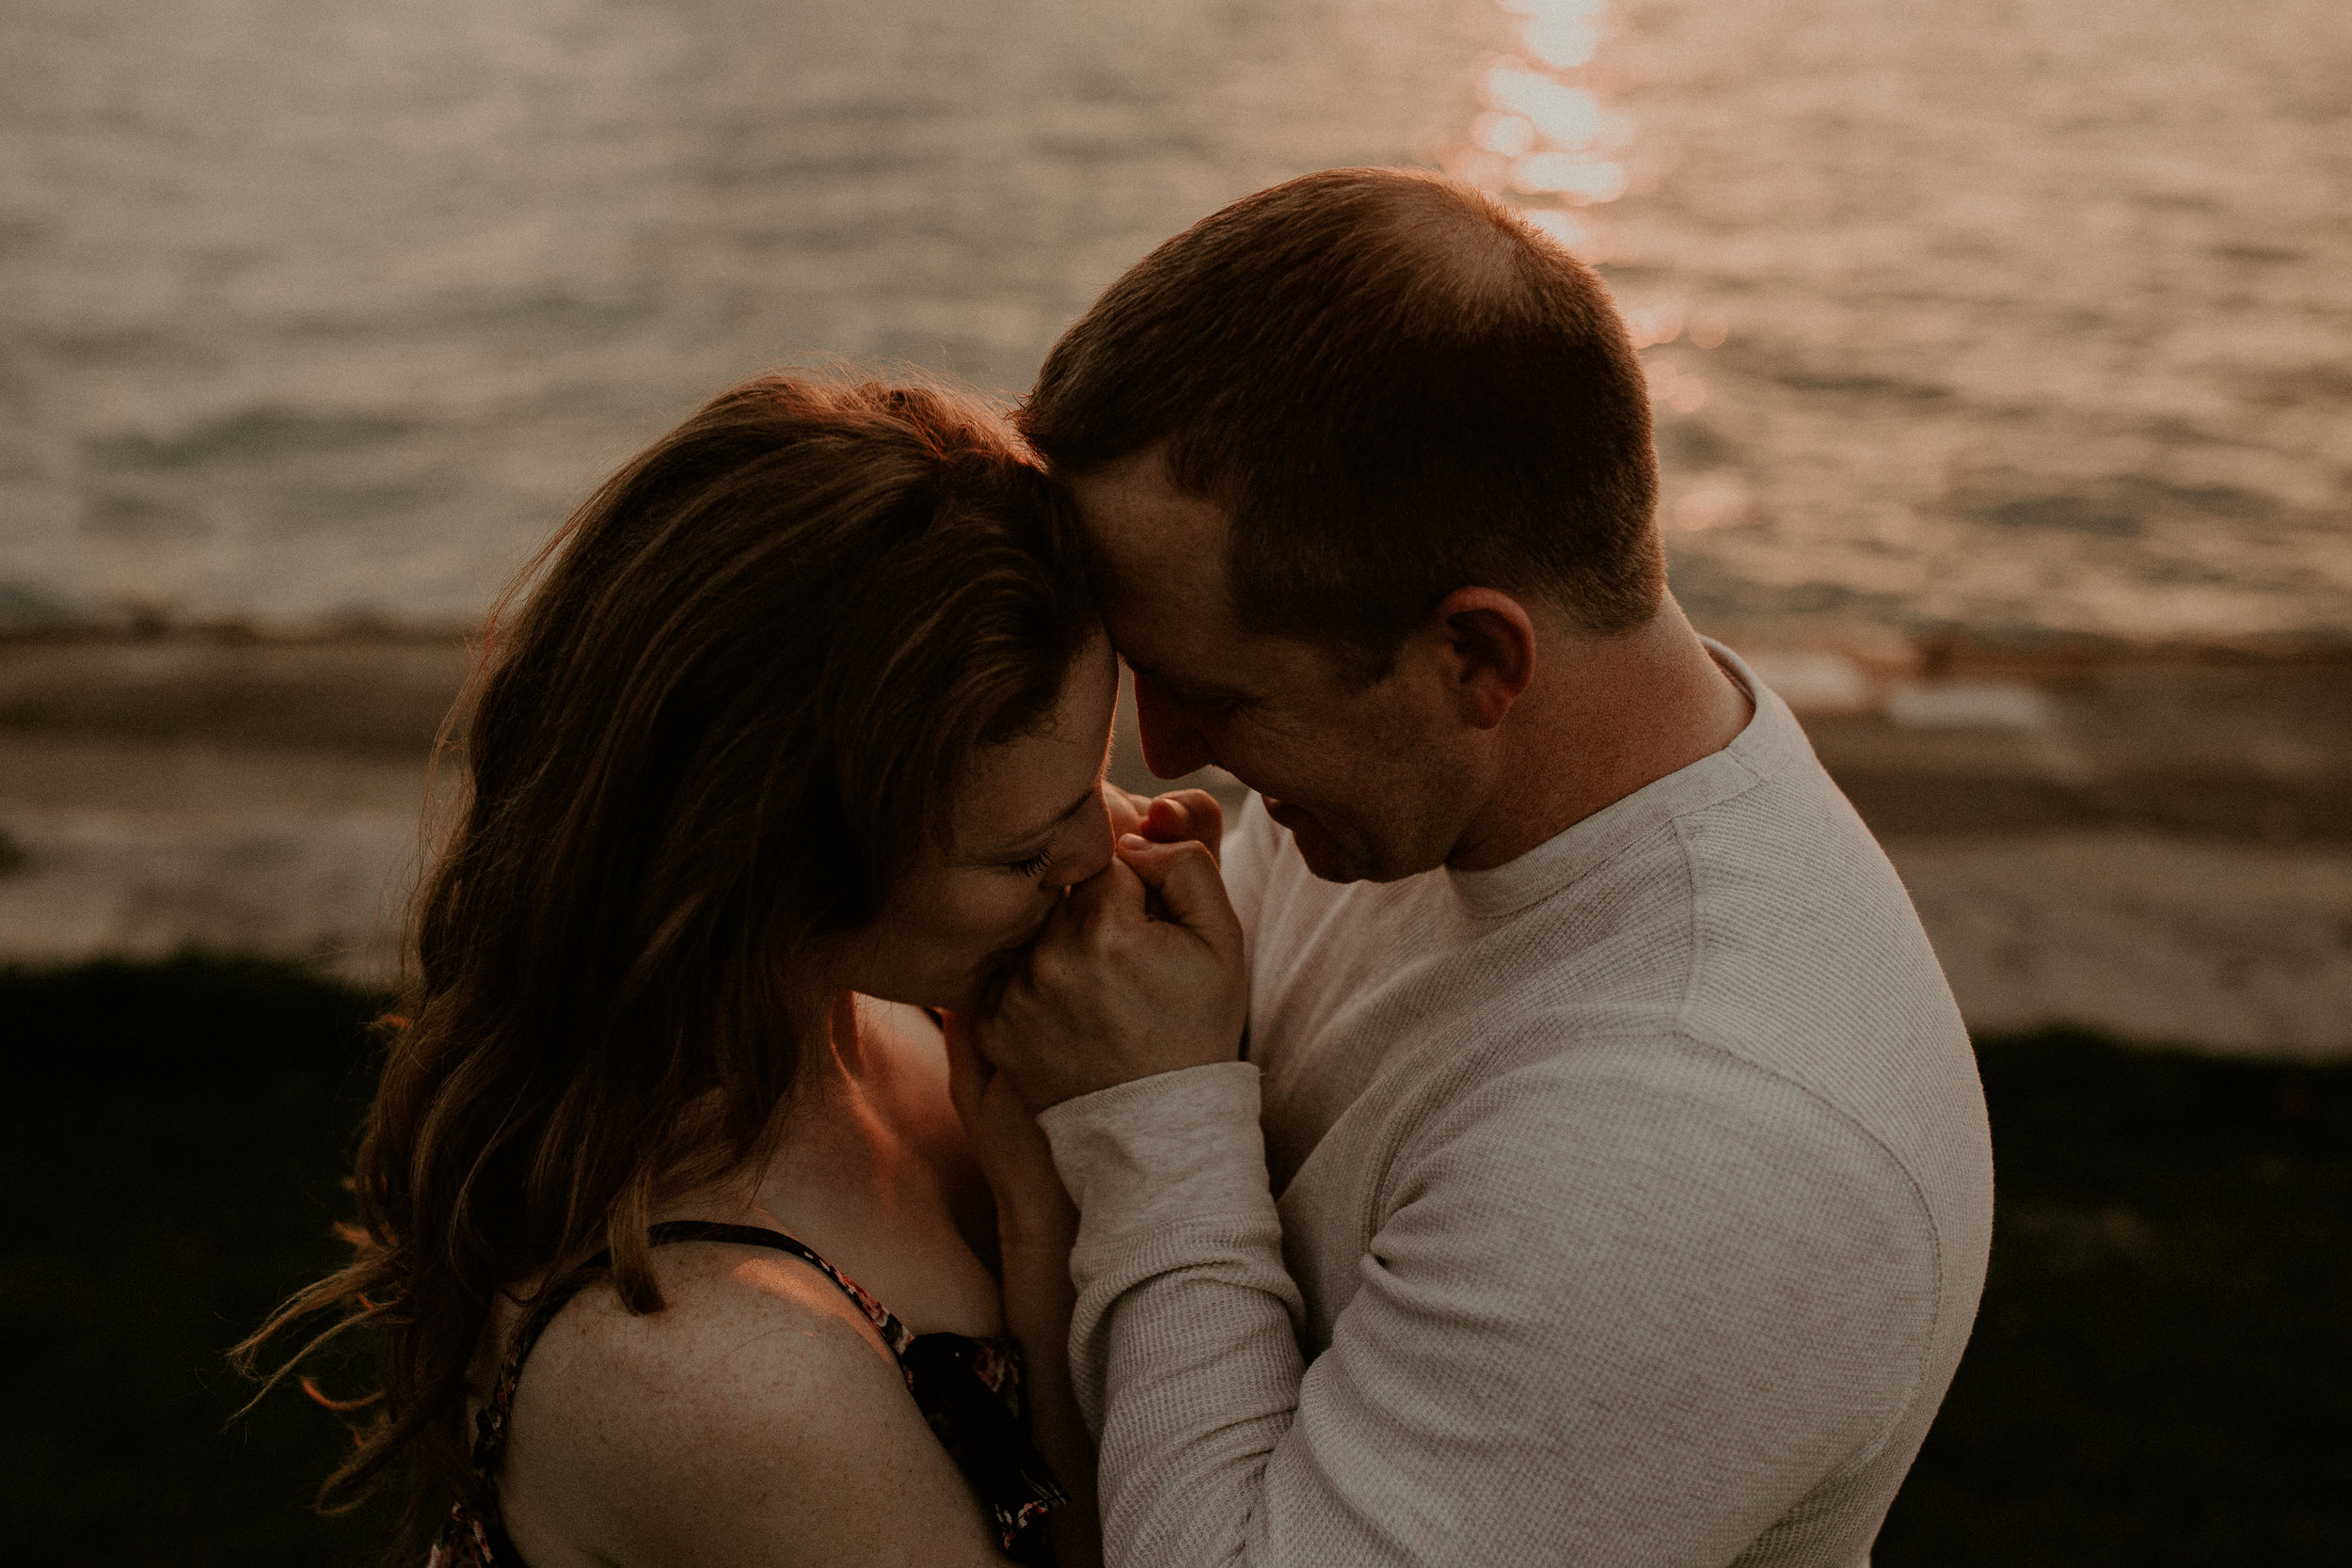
point(2014, 314)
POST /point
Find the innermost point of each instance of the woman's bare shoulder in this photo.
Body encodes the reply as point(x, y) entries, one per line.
point(758, 1409)
point(739, 1311)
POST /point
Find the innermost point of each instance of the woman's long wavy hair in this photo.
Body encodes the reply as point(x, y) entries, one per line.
point(736, 701)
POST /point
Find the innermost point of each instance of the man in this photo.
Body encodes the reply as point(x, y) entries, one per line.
point(1633, 1182)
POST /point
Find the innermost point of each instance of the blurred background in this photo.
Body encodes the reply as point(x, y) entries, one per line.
point(2002, 356)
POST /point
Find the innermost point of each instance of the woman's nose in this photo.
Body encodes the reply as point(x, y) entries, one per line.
point(1094, 853)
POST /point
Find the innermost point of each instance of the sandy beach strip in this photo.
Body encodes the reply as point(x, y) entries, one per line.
point(2156, 843)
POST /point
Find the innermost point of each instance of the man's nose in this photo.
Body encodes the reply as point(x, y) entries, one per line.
point(1171, 746)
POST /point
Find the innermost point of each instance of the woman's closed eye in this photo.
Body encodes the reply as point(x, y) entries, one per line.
point(1035, 865)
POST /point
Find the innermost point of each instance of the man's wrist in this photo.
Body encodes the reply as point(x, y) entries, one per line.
point(1187, 1132)
point(1119, 1075)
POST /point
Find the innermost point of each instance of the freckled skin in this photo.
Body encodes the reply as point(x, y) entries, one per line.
point(1365, 779)
point(955, 917)
point(1501, 723)
point(758, 1420)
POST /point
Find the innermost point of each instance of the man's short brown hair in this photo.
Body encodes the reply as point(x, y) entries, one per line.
point(1395, 388)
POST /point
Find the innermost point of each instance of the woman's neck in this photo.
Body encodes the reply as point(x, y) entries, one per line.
point(838, 1126)
point(868, 1167)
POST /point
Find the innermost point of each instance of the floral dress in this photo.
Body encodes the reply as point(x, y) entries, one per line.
point(968, 1390)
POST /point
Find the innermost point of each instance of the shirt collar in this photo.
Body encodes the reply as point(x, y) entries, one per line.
point(1770, 741)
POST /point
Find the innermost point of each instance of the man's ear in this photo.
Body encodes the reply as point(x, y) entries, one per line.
point(1488, 644)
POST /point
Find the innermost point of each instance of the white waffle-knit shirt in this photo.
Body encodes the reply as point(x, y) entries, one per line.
point(1633, 1203)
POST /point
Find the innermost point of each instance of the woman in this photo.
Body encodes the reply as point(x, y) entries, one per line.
point(794, 746)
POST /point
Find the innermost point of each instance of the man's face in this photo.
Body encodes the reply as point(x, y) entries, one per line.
point(1366, 780)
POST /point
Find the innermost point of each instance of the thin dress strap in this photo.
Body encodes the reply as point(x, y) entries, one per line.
point(1016, 1483)
point(490, 1444)
point(893, 1333)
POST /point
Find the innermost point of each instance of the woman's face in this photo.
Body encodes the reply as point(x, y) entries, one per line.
point(1030, 823)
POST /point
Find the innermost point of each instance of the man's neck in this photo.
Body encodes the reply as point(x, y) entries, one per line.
point(1605, 716)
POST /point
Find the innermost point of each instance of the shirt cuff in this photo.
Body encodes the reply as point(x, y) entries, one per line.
point(1183, 1144)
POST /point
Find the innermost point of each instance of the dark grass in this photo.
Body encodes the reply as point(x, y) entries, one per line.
point(170, 1149)
point(2162, 1368)
point(2162, 1372)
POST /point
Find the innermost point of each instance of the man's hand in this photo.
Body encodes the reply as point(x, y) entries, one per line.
point(1138, 973)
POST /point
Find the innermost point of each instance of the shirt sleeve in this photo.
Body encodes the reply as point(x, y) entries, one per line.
point(1615, 1308)
point(1246, 857)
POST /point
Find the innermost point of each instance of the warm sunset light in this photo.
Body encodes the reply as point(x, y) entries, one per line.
point(1569, 118)
point(1928, 740)
point(1508, 135)
point(1567, 227)
point(1654, 323)
point(1546, 134)
point(1674, 387)
point(1563, 42)
point(1560, 33)
point(1566, 174)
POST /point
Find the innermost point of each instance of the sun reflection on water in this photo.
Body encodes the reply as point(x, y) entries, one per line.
point(1546, 138)
point(1560, 33)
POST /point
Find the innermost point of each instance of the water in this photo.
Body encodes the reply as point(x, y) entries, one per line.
point(2041, 310)
point(2015, 314)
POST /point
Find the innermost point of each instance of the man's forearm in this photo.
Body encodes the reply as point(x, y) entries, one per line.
point(1184, 1345)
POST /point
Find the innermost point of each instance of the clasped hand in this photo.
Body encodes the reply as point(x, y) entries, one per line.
point(1138, 972)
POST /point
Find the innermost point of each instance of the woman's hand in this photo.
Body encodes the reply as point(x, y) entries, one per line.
point(1032, 1209)
point(1179, 816)
point(1036, 1226)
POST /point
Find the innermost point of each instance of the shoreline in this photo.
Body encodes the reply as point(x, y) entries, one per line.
point(2150, 841)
